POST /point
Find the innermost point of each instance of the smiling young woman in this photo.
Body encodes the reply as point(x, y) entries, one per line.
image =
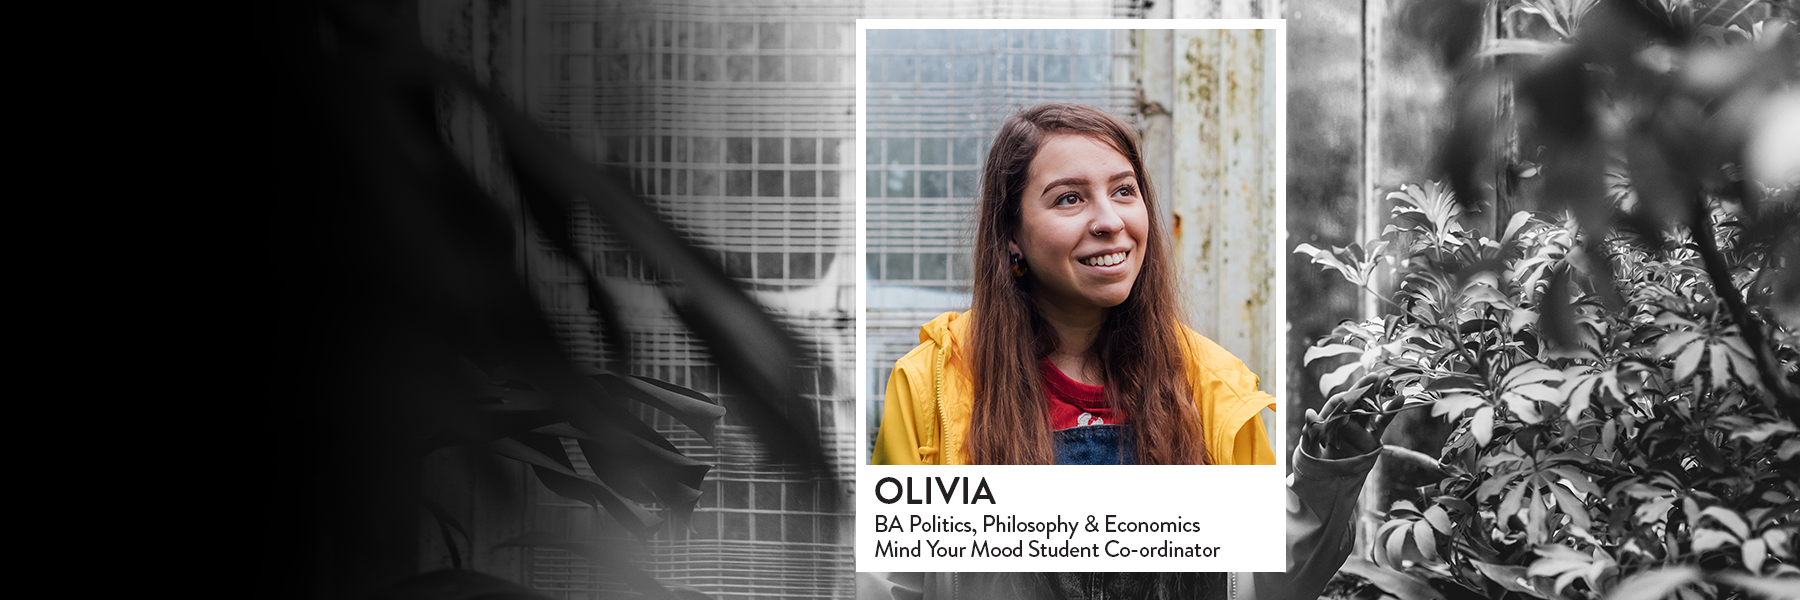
point(1074, 351)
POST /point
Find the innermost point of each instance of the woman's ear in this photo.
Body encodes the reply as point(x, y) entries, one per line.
point(1013, 247)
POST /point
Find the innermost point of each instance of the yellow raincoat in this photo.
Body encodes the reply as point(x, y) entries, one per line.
point(930, 393)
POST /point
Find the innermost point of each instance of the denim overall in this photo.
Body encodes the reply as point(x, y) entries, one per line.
point(1095, 445)
point(1110, 445)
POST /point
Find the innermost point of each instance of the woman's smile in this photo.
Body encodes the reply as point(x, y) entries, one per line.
point(1106, 260)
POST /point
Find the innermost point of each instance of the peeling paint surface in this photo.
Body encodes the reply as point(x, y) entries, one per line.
point(1222, 191)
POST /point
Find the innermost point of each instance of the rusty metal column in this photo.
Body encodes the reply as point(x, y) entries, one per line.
point(1155, 72)
point(1220, 192)
point(1217, 9)
point(1373, 217)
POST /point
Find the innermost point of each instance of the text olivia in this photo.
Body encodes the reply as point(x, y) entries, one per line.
point(938, 490)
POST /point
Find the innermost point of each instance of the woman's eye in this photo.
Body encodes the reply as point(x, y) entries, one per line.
point(1067, 199)
point(1125, 190)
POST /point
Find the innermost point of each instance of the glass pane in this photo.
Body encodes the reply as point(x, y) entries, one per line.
point(802, 184)
point(766, 495)
point(769, 183)
point(706, 149)
point(740, 36)
point(798, 528)
point(934, 184)
point(933, 267)
point(737, 150)
point(963, 184)
point(734, 494)
point(934, 151)
point(900, 266)
point(900, 151)
point(963, 151)
point(740, 68)
point(769, 150)
point(802, 151)
point(800, 265)
point(768, 265)
point(706, 182)
point(738, 265)
point(899, 183)
point(737, 183)
point(771, 68)
point(773, 36)
point(736, 526)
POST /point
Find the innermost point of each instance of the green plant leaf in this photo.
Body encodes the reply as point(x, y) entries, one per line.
point(1318, 352)
point(1654, 584)
point(629, 464)
point(1561, 562)
point(1482, 425)
point(1421, 535)
point(1577, 479)
point(1438, 518)
point(1395, 539)
point(1571, 506)
point(1788, 449)
point(1453, 405)
point(1537, 522)
point(1521, 318)
point(1719, 372)
point(1527, 373)
point(1401, 585)
point(1730, 519)
point(562, 479)
point(1761, 431)
point(1516, 223)
point(1776, 540)
point(1706, 540)
point(1563, 580)
point(1508, 576)
point(1580, 395)
point(1754, 552)
point(1743, 366)
point(1337, 377)
point(692, 409)
point(1773, 588)
point(1688, 361)
point(1655, 510)
point(1511, 502)
point(1496, 484)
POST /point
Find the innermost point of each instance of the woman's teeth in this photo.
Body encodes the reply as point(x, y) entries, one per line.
point(1106, 260)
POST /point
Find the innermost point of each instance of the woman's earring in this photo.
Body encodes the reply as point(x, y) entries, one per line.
point(1018, 268)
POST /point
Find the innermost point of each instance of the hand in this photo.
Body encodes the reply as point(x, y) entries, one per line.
point(1351, 422)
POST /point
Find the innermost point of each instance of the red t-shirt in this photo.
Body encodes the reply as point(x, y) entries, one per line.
point(1073, 403)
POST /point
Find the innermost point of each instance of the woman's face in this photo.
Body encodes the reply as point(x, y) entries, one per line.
point(1082, 224)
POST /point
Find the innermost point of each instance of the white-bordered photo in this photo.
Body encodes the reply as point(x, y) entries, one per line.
point(1199, 110)
point(1068, 233)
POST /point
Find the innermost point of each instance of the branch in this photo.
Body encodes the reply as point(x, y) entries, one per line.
point(1416, 458)
point(1752, 330)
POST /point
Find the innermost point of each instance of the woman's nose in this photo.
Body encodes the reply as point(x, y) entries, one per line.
point(1106, 219)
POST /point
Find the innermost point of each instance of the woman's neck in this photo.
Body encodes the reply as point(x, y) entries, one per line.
point(1075, 333)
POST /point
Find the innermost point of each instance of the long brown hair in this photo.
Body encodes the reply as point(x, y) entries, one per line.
point(1139, 347)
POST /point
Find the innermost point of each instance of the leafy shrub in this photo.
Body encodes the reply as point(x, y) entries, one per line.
point(1647, 443)
point(1620, 364)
